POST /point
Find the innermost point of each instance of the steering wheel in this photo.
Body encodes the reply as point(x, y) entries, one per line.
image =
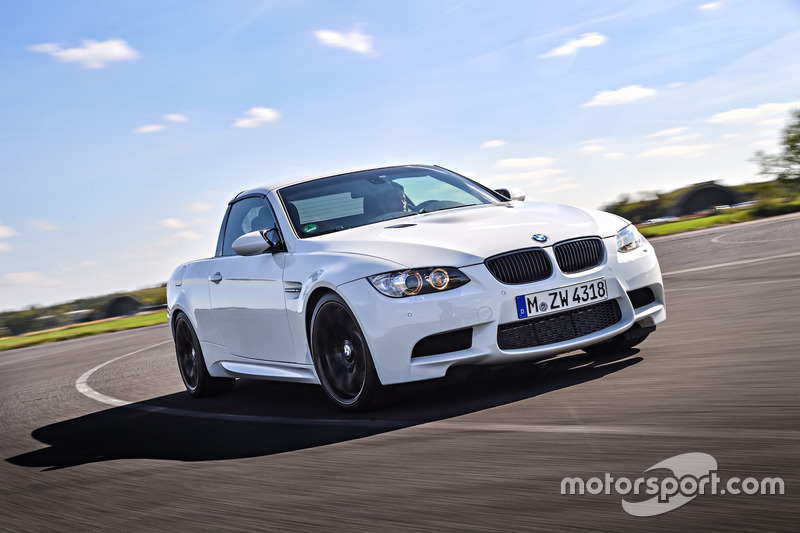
point(427, 203)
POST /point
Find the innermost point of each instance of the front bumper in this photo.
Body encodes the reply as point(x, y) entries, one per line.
point(393, 326)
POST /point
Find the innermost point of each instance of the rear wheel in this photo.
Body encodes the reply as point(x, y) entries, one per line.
point(342, 358)
point(194, 373)
point(624, 341)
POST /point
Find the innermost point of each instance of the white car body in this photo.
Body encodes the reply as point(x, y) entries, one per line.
point(254, 321)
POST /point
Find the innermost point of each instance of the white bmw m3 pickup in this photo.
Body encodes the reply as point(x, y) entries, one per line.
point(362, 280)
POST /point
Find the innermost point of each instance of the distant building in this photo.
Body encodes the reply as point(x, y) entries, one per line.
point(120, 306)
point(80, 315)
point(702, 196)
point(47, 322)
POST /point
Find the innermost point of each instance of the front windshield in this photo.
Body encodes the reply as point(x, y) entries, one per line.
point(360, 198)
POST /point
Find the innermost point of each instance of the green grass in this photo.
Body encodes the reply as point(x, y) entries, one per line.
point(697, 223)
point(84, 330)
point(761, 210)
point(151, 296)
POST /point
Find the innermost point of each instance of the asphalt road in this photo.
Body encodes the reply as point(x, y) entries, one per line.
point(721, 376)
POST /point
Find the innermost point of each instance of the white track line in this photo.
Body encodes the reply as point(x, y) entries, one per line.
point(448, 424)
point(81, 384)
point(735, 284)
point(732, 263)
point(83, 387)
point(581, 429)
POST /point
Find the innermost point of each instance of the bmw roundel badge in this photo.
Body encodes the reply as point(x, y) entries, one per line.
point(539, 237)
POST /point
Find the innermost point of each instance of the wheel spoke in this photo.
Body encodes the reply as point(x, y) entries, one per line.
point(340, 350)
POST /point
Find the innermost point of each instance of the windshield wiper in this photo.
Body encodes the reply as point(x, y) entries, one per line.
point(446, 208)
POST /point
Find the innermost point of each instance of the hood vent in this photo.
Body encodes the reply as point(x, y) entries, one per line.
point(396, 226)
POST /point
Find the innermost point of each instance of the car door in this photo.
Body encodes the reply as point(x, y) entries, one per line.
point(247, 296)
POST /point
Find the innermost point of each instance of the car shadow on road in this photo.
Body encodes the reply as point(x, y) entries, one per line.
point(261, 418)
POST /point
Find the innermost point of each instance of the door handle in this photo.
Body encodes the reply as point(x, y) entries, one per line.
point(215, 278)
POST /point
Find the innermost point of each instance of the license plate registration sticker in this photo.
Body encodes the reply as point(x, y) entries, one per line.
point(562, 299)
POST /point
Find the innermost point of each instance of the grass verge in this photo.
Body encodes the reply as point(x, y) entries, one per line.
point(761, 210)
point(84, 330)
point(696, 223)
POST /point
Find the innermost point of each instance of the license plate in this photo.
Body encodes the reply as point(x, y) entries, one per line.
point(562, 299)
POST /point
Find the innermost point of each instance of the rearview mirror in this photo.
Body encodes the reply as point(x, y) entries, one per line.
point(511, 194)
point(256, 242)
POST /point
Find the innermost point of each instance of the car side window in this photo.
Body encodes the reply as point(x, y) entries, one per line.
point(249, 214)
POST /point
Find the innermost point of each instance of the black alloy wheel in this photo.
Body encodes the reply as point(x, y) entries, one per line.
point(192, 366)
point(342, 358)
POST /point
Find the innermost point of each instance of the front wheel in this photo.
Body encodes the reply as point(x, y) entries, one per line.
point(192, 366)
point(342, 358)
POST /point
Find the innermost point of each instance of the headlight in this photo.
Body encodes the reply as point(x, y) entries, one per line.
point(629, 239)
point(418, 281)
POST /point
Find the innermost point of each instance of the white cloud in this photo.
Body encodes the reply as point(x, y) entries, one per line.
point(666, 133)
point(524, 171)
point(530, 175)
point(525, 163)
point(710, 6)
point(5, 247)
point(563, 187)
point(176, 117)
point(772, 122)
point(187, 235)
point(23, 278)
point(599, 147)
point(683, 138)
point(588, 149)
point(573, 45)
point(620, 96)
point(93, 54)
point(763, 145)
point(198, 207)
point(493, 144)
point(6, 231)
point(354, 41)
point(256, 116)
point(752, 114)
point(173, 223)
point(731, 136)
point(678, 150)
point(43, 225)
point(150, 128)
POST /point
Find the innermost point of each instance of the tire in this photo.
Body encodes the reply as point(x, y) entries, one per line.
point(624, 341)
point(199, 383)
point(342, 358)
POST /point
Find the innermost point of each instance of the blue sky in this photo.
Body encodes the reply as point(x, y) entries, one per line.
point(127, 126)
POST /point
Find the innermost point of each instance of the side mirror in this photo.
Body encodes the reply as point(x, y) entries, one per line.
point(511, 194)
point(256, 242)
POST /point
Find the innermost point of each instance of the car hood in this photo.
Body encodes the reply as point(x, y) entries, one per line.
point(468, 235)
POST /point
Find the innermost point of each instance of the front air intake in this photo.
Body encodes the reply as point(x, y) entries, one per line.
point(558, 327)
point(451, 341)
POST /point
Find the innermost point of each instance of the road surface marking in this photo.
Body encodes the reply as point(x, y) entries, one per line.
point(732, 263)
point(82, 385)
